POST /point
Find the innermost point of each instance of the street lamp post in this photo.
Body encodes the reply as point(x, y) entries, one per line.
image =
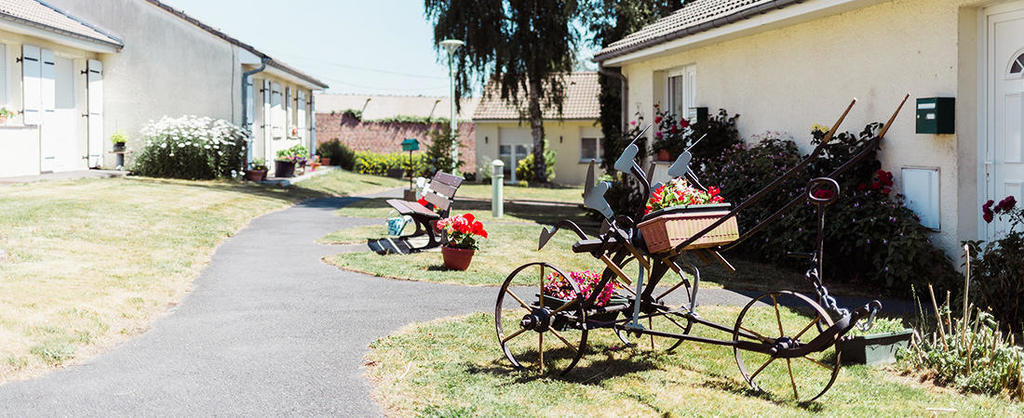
point(452, 45)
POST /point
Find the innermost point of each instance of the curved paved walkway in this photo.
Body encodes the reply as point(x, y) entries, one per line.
point(268, 330)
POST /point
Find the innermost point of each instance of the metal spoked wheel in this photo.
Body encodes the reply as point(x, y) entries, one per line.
point(535, 331)
point(764, 319)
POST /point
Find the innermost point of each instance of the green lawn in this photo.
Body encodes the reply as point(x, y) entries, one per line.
point(513, 241)
point(345, 183)
point(454, 367)
point(86, 264)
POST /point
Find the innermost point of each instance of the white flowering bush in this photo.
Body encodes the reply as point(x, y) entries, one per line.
point(191, 147)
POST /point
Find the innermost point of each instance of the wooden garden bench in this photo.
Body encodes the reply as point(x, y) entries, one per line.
point(440, 194)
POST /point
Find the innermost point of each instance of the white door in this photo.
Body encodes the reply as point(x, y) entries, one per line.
point(64, 118)
point(514, 144)
point(1004, 153)
point(94, 81)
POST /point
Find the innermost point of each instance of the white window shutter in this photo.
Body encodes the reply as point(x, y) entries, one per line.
point(31, 84)
point(48, 83)
point(267, 119)
point(277, 113)
point(94, 80)
point(300, 115)
point(289, 110)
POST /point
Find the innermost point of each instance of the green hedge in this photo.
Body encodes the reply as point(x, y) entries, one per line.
point(368, 162)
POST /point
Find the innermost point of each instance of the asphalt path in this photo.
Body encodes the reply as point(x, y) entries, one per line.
point(269, 329)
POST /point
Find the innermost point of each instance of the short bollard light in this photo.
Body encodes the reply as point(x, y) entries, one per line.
point(497, 181)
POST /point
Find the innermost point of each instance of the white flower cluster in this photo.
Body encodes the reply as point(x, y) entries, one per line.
point(192, 131)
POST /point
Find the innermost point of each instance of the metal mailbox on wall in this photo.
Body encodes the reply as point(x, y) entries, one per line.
point(936, 115)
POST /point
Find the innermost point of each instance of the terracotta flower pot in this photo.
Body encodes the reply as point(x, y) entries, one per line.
point(255, 175)
point(325, 160)
point(457, 258)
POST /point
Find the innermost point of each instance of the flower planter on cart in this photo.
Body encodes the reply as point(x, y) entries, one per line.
point(554, 302)
point(664, 229)
point(875, 348)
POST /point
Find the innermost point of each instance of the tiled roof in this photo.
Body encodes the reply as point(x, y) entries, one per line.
point(695, 16)
point(581, 101)
point(43, 16)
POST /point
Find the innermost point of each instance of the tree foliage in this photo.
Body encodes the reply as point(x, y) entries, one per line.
point(526, 46)
point(610, 21)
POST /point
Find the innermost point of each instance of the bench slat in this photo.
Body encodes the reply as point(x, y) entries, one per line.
point(442, 177)
point(443, 189)
point(439, 201)
point(412, 208)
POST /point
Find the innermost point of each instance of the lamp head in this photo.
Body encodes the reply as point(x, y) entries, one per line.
point(452, 45)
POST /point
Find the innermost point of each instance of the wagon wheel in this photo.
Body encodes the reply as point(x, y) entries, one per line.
point(803, 378)
point(537, 334)
point(674, 323)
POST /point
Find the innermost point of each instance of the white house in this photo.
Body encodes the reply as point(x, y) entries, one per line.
point(785, 65)
point(76, 71)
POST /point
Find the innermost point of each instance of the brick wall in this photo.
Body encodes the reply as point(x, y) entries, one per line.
point(387, 137)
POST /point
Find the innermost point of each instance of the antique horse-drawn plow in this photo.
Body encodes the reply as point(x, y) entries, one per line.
point(802, 360)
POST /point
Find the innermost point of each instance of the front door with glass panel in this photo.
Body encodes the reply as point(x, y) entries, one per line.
point(513, 146)
point(1004, 145)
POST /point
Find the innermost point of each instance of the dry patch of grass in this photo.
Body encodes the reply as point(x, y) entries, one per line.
point(454, 367)
point(86, 264)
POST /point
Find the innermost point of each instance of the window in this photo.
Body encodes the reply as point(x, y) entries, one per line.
point(681, 95)
point(1018, 66)
point(590, 149)
point(511, 155)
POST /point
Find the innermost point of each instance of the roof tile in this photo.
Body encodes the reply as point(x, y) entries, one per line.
point(581, 101)
point(40, 14)
point(691, 15)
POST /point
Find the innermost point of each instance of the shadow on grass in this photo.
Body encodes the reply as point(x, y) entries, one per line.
point(290, 194)
point(596, 372)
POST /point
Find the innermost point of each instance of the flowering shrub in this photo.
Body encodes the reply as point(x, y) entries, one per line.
point(675, 135)
point(679, 192)
point(998, 266)
point(558, 286)
point(191, 147)
point(461, 231)
point(871, 237)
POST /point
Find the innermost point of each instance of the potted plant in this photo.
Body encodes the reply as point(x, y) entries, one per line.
point(284, 164)
point(461, 234)
point(5, 115)
point(879, 347)
point(257, 170)
point(558, 290)
point(677, 211)
point(119, 139)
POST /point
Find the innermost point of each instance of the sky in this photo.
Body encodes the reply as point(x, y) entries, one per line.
point(365, 47)
point(361, 47)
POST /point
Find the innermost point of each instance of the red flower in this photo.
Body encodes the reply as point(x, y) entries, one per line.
point(876, 185)
point(823, 194)
point(861, 187)
point(683, 123)
point(988, 216)
point(886, 190)
point(658, 134)
point(657, 119)
point(675, 130)
point(986, 209)
point(1007, 204)
point(478, 229)
point(423, 201)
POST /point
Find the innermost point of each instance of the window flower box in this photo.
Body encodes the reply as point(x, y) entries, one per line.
point(666, 228)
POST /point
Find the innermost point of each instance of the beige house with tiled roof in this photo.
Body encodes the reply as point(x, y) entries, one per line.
point(502, 132)
point(73, 72)
point(785, 65)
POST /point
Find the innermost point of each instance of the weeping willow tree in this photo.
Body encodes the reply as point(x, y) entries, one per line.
point(525, 46)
